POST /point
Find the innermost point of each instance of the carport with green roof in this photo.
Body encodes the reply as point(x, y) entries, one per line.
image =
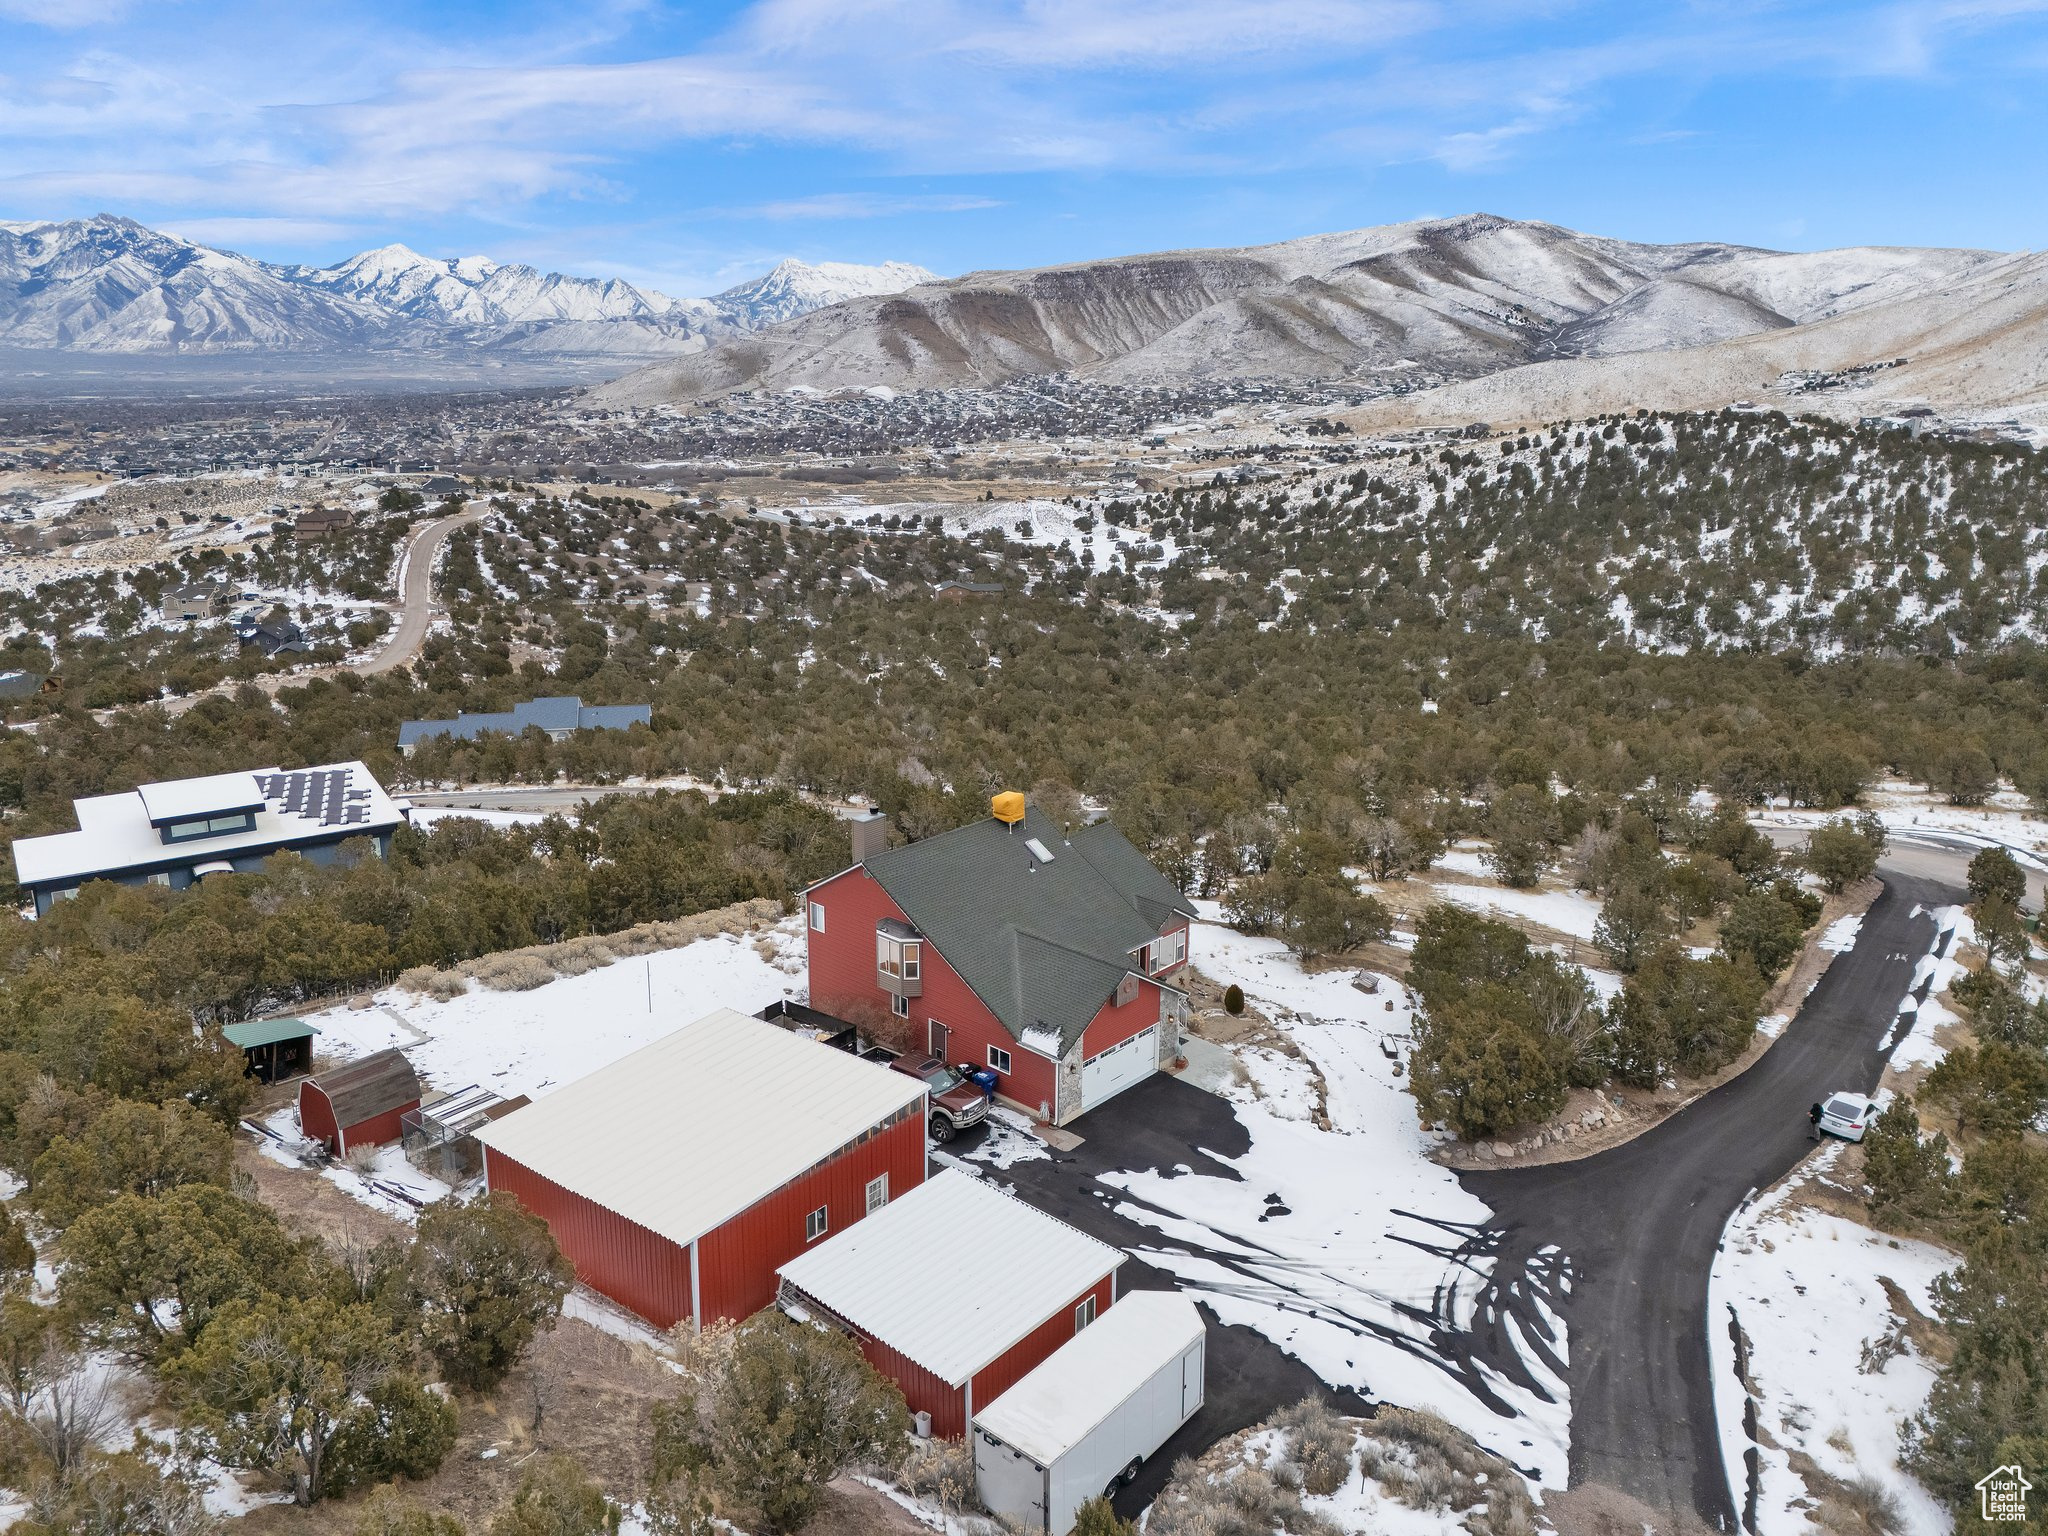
point(273, 1049)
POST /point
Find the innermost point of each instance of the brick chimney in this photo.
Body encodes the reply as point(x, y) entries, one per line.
point(870, 834)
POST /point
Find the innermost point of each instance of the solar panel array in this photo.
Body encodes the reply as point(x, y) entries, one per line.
point(321, 795)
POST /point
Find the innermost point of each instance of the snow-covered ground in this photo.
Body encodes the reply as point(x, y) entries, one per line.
point(529, 1042)
point(1840, 937)
point(1331, 1243)
point(1915, 811)
point(390, 1170)
point(1913, 1035)
point(1563, 911)
point(1806, 1290)
point(424, 817)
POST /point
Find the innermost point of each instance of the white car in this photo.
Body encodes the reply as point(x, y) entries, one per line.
point(1847, 1115)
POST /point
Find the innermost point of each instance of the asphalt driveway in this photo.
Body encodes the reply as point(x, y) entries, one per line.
point(1641, 1222)
point(1622, 1243)
point(1157, 1124)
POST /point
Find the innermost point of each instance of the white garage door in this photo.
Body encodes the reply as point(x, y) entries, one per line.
point(1110, 1073)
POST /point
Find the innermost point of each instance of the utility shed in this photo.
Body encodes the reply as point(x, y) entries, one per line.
point(272, 1049)
point(677, 1178)
point(359, 1104)
point(955, 1292)
point(1083, 1421)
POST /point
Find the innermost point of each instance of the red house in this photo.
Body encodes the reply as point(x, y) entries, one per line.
point(955, 1292)
point(1006, 944)
point(359, 1103)
point(677, 1178)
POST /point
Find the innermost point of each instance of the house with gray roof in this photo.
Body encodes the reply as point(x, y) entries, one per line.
point(1007, 945)
point(560, 717)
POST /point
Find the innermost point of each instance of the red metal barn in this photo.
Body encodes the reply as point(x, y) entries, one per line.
point(1007, 945)
point(955, 1292)
point(359, 1103)
point(679, 1177)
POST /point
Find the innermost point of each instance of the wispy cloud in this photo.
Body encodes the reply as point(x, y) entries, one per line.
point(65, 15)
point(863, 205)
point(233, 231)
point(289, 124)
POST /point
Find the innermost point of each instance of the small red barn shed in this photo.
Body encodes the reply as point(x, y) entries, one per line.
point(359, 1103)
point(677, 1178)
point(955, 1292)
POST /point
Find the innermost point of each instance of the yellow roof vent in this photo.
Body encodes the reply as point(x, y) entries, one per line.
point(1008, 807)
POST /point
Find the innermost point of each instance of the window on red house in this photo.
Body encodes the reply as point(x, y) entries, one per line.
point(1169, 950)
point(897, 957)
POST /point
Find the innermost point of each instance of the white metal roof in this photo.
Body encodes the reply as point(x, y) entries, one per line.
point(685, 1133)
point(115, 834)
point(1087, 1378)
point(951, 1274)
point(215, 794)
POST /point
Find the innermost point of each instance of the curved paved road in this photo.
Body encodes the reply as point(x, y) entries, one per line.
point(1640, 1224)
point(416, 614)
point(416, 593)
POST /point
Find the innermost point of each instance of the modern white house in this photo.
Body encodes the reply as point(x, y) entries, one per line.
point(186, 829)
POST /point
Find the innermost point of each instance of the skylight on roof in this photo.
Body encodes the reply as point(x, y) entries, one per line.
point(1038, 850)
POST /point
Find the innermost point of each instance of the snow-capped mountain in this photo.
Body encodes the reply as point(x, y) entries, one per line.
point(1404, 304)
point(109, 284)
point(796, 288)
point(477, 291)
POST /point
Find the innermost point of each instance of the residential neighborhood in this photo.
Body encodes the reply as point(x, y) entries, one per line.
point(1023, 769)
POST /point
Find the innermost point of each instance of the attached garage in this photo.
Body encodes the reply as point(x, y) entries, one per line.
point(678, 1178)
point(955, 1292)
point(1109, 1073)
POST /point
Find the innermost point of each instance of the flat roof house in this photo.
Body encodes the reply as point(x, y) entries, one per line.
point(1009, 945)
point(679, 1177)
point(955, 1292)
point(182, 830)
point(559, 717)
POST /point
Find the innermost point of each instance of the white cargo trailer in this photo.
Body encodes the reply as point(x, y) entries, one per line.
point(1095, 1408)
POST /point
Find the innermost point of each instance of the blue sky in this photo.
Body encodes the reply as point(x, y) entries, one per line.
point(686, 146)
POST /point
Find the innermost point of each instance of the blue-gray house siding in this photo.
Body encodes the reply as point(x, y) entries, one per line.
point(559, 717)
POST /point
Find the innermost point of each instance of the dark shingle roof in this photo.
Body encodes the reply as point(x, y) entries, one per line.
point(373, 1085)
point(1042, 944)
point(1131, 874)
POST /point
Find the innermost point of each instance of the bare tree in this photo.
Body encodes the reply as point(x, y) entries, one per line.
point(70, 1408)
point(547, 1379)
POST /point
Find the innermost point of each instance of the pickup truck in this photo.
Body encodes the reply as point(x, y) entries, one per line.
point(957, 1102)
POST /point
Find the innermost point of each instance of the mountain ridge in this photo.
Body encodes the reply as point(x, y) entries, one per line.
point(1425, 303)
point(111, 284)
